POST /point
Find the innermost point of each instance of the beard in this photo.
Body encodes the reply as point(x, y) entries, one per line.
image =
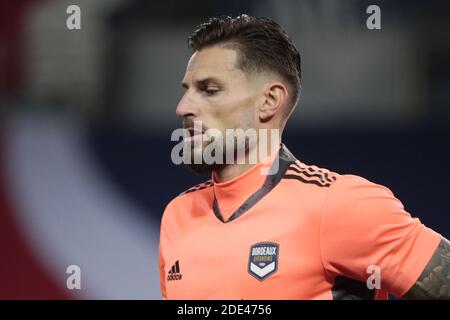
point(204, 168)
point(195, 161)
point(201, 167)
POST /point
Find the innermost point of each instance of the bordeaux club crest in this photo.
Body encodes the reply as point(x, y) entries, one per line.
point(263, 259)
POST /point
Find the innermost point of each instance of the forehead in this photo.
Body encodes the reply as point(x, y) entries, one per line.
point(213, 61)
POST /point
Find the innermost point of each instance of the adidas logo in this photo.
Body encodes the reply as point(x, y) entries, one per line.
point(174, 273)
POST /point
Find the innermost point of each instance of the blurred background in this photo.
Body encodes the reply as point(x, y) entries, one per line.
point(86, 117)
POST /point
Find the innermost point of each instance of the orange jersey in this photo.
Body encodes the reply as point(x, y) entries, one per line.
point(302, 233)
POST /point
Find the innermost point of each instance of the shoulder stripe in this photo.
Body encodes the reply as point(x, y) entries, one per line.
point(310, 174)
point(294, 169)
point(317, 173)
point(200, 186)
point(302, 179)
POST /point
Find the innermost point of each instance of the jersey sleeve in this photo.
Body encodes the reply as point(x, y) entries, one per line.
point(162, 278)
point(169, 225)
point(363, 225)
point(162, 251)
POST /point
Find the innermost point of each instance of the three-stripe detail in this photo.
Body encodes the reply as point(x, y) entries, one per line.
point(310, 174)
point(175, 268)
point(200, 186)
point(174, 272)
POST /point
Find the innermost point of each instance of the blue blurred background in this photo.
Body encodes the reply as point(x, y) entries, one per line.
point(86, 117)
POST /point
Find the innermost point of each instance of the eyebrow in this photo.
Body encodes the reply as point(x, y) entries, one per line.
point(204, 82)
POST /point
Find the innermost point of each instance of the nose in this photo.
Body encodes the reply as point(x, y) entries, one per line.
point(186, 106)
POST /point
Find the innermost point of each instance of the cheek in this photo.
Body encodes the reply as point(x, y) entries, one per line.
point(245, 114)
point(249, 118)
point(232, 111)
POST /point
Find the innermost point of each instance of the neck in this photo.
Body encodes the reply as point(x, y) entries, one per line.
point(232, 171)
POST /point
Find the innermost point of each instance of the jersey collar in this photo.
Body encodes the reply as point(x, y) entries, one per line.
point(251, 186)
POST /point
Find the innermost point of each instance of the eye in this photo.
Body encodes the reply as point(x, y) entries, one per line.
point(210, 91)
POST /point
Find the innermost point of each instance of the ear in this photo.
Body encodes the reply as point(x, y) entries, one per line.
point(275, 97)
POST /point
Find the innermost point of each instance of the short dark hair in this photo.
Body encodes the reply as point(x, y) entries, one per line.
point(261, 43)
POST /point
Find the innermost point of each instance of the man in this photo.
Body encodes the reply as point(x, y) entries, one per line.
point(296, 231)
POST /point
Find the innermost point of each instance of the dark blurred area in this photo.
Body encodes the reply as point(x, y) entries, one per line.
point(86, 117)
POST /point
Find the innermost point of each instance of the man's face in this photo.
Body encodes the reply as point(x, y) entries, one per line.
point(219, 94)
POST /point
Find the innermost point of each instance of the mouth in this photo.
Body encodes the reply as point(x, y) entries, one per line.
point(193, 132)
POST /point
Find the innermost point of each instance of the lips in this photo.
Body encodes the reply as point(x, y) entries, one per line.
point(193, 132)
